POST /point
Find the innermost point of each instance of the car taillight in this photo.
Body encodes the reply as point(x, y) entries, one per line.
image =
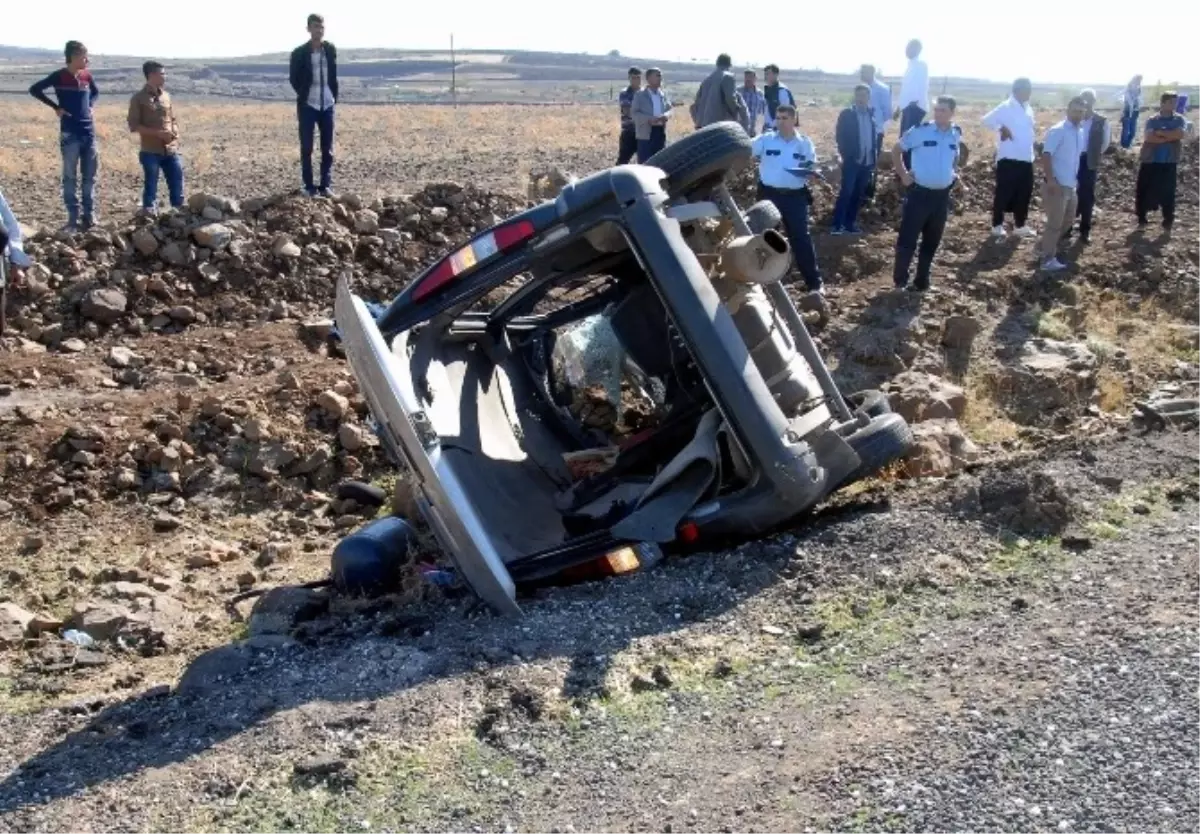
point(498, 240)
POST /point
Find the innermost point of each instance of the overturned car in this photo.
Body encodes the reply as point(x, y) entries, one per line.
point(619, 365)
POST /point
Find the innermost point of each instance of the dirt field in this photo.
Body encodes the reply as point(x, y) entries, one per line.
point(1001, 634)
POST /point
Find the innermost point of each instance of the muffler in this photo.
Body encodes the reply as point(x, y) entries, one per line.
point(757, 259)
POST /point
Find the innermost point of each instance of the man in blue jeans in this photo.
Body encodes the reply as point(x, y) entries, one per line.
point(76, 93)
point(313, 75)
point(152, 117)
point(856, 143)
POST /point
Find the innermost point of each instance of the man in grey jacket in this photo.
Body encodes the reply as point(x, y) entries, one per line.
point(651, 112)
point(717, 99)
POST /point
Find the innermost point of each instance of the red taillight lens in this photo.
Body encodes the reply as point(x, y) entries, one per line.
point(479, 250)
point(512, 234)
point(442, 274)
point(689, 532)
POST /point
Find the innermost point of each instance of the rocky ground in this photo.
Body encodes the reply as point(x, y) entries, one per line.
point(1001, 634)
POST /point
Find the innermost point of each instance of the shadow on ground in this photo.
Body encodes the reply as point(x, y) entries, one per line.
point(387, 650)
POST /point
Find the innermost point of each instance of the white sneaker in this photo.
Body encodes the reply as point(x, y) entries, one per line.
point(999, 233)
point(1025, 232)
point(1053, 265)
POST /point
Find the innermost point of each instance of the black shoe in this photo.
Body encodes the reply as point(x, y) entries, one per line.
point(1142, 222)
point(919, 286)
point(1085, 237)
point(325, 192)
point(86, 222)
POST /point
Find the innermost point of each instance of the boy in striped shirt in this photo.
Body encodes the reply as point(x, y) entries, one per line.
point(76, 92)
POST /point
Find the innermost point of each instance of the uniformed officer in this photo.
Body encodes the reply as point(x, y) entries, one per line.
point(935, 149)
point(785, 164)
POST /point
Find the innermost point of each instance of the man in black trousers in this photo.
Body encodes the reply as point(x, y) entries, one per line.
point(936, 148)
point(313, 75)
point(627, 146)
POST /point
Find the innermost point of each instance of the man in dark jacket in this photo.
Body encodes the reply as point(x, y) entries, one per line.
point(627, 145)
point(313, 75)
point(856, 143)
point(717, 99)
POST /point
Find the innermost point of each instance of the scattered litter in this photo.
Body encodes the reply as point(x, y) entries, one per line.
point(79, 638)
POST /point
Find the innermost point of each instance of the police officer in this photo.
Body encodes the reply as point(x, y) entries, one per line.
point(935, 148)
point(785, 164)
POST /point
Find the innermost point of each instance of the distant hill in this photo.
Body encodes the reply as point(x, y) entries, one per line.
point(22, 53)
point(379, 76)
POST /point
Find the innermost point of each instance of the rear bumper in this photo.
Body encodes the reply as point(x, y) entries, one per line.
point(386, 384)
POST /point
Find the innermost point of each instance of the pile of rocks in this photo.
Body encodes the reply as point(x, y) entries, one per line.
point(220, 260)
point(193, 454)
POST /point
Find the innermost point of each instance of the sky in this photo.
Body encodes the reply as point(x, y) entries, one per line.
point(1048, 42)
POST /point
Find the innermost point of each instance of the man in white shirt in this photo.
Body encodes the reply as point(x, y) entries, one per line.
point(1013, 121)
point(1097, 136)
point(1060, 163)
point(913, 103)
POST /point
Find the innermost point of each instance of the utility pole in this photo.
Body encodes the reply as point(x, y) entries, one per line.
point(453, 73)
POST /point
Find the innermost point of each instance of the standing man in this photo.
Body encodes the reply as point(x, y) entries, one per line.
point(756, 103)
point(627, 146)
point(1013, 121)
point(1097, 136)
point(313, 74)
point(881, 103)
point(785, 163)
point(76, 93)
point(1131, 105)
point(856, 142)
point(914, 91)
point(1160, 160)
point(717, 100)
point(775, 94)
point(1061, 149)
point(935, 149)
point(651, 112)
point(881, 109)
point(152, 117)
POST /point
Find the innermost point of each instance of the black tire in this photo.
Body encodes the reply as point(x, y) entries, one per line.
point(763, 215)
point(701, 160)
point(368, 495)
point(885, 439)
point(873, 402)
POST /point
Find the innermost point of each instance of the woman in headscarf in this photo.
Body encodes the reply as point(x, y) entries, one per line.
point(1131, 103)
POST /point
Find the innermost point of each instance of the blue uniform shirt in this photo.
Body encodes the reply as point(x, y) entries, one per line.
point(934, 154)
point(776, 154)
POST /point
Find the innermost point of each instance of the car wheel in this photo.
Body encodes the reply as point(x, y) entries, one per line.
point(886, 439)
point(762, 216)
point(871, 401)
point(702, 159)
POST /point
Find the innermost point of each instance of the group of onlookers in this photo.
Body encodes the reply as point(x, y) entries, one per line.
point(925, 158)
point(312, 73)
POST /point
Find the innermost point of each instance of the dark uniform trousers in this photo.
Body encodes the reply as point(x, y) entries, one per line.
point(793, 206)
point(1086, 191)
point(925, 212)
point(628, 145)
